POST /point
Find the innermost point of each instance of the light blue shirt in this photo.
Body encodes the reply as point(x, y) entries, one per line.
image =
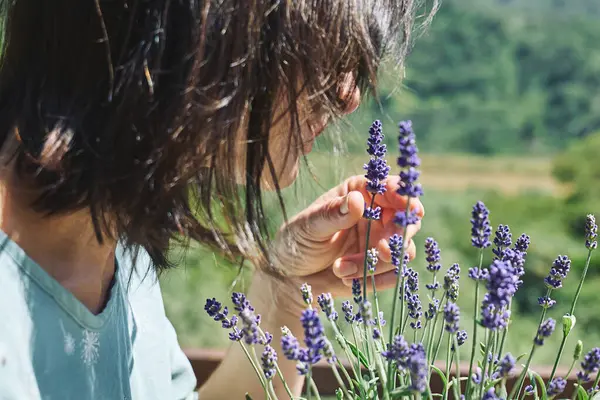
point(53, 348)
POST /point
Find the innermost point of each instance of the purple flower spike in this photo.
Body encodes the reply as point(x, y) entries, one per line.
point(397, 351)
point(269, 361)
point(480, 226)
point(313, 335)
point(432, 252)
point(403, 220)
point(408, 161)
point(558, 272)
point(395, 243)
point(417, 366)
point(373, 214)
point(356, 291)
point(478, 274)
point(590, 365)
point(377, 168)
point(240, 302)
point(545, 331)
point(461, 337)
point(366, 311)
point(502, 240)
point(325, 301)
point(591, 232)
point(556, 387)
point(347, 309)
point(432, 309)
point(451, 282)
point(490, 395)
point(506, 365)
point(546, 302)
point(452, 317)
point(372, 259)
point(523, 243)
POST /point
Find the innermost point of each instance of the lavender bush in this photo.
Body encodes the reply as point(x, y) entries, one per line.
point(396, 360)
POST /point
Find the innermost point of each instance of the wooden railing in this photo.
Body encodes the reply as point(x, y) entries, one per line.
point(204, 362)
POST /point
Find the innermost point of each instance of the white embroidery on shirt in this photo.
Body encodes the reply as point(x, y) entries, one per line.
point(90, 347)
point(69, 344)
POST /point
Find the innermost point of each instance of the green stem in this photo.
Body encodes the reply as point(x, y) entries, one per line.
point(314, 389)
point(342, 342)
point(376, 301)
point(272, 390)
point(571, 312)
point(474, 338)
point(395, 300)
point(279, 373)
point(259, 374)
point(504, 333)
point(448, 354)
point(357, 359)
point(575, 391)
point(432, 358)
point(595, 383)
point(425, 331)
point(488, 346)
point(439, 341)
point(368, 234)
point(340, 381)
point(570, 369)
point(309, 387)
point(457, 353)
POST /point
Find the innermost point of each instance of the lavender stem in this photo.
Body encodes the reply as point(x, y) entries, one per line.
point(474, 340)
point(571, 312)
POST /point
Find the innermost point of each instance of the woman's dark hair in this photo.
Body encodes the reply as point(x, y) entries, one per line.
point(131, 108)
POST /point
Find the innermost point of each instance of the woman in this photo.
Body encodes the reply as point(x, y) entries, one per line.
point(126, 125)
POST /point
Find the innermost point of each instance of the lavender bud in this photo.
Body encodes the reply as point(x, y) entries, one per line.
point(306, 293)
point(590, 365)
point(478, 274)
point(325, 301)
point(240, 302)
point(432, 253)
point(418, 368)
point(523, 243)
point(480, 226)
point(269, 361)
point(366, 311)
point(544, 331)
point(395, 243)
point(432, 309)
point(556, 387)
point(546, 302)
point(558, 272)
point(490, 395)
point(452, 317)
point(591, 232)
point(372, 258)
point(356, 291)
point(461, 337)
point(529, 390)
point(502, 240)
point(347, 309)
point(372, 213)
point(506, 365)
point(578, 350)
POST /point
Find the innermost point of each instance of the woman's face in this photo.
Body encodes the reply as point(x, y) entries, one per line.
point(286, 155)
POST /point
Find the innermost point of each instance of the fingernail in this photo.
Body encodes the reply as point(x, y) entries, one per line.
point(344, 206)
point(347, 268)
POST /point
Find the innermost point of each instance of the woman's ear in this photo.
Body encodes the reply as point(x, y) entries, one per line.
point(349, 93)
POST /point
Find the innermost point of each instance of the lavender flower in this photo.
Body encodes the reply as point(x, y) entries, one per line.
point(414, 310)
point(372, 213)
point(306, 293)
point(417, 366)
point(376, 334)
point(558, 272)
point(490, 395)
point(366, 311)
point(452, 317)
point(347, 309)
point(546, 302)
point(432, 286)
point(356, 291)
point(377, 168)
point(328, 351)
point(432, 310)
point(325, 301)
point(591, 232)
point(250, 327)
point(544, 331)
point(506, 365)
point(461, 337)
point(313, 335)
point(502, 284)
point(403, 219)
point(240, 302)
point(372, 258)
point(412, 281)
point(529, 390)
point(522, 243)
point(502, 240)
point(236, 335)
point(290, 345)
point(477, 376)
point(480, 226)
point(408, 161)
point(395, 243)
point(451, 286)
point(381, 321)
point(432, 253)
point(590, 365)
point(375, 147)
point(215, 310)
point(556, 387)
point(398, 351)
point(478, 274)
point(269, 361)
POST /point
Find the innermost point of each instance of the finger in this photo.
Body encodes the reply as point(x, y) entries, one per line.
point(352, 266)
point(389, 199)
point(335, 215)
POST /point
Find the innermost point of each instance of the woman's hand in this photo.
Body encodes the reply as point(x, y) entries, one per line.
point(324, 245)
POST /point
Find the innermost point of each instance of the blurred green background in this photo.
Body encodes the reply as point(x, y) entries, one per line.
point(505, 100)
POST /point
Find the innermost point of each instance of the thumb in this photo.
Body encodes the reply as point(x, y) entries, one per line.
point(337, 214)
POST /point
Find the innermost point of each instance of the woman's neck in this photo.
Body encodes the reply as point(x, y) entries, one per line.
point(64, 246)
